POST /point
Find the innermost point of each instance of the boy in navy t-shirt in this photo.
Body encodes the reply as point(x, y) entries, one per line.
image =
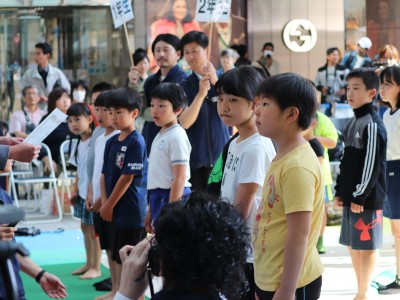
point(124, 176)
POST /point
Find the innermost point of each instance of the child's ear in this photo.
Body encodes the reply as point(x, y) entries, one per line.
point(135, 113)
point(90, 119)
point(372, 93)
point(179, 111)
point(293, 114)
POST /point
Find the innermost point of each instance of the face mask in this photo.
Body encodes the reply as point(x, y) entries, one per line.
point(268, 53)
point(79, 95)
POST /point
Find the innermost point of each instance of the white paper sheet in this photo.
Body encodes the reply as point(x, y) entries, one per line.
point(46, 127)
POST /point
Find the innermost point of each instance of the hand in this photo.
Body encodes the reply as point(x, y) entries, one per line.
point(148, 222)
point(46, 164)
point(281, 294)
point(97, 206)
point(324, 90)
point(10, 141)
point(355, 208)
point(89, 202)
point(53, 286)
point(125, 251)
point(24, 152)
point(210, 72)
point(42, 98)
point(6, 233)
point(204, 86)
point(133, 75)
point(8, 166)
point(338, 201)
point(106, 212)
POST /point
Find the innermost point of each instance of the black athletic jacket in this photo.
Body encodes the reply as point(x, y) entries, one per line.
point(363, 165)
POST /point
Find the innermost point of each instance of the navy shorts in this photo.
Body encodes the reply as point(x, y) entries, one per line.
point(82, 213)
point(391, 208)
point(362, 231)
point(123, 237)
point(102, 229)
point(158, 198)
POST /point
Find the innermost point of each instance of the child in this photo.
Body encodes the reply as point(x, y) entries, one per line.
point(288, 221)
point(80, 123)
point(102, 228)
point(390, 93)
point(360, 186)
point(124, 176)
point(250, 154)
point(169, 170)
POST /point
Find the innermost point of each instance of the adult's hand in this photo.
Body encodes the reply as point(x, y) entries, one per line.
point(6, 232)
point(10, 141)
point(24, 152)
point(134, 75)
point(53, 286)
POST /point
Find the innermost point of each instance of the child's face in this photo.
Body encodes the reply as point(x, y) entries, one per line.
point(269, 117)
point(389, 91)
point(234, 110)
point(163, 113)
point(103, 116)
point(357, 93)
point(79, 124)
point(122, 118)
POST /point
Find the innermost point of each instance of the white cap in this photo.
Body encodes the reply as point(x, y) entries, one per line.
point(365, 43)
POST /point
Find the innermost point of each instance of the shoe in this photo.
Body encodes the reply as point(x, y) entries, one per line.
point(105, 286)
point(390, 289)
point(107, 280)
point(320, 245)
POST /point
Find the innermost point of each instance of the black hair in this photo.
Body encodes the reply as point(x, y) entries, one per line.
point(102, 99)
point(240, 49)
point(102, 87)
point(76, 110)
point(78, 83)
point(54, 95)
point(139, 55)
point(331, 50)
point(368, 77)
point(290, 89)
point(46, 48)
point(391, 74)
point(196, 233)
point(194, 36)
point(268, 44)
point(124, 98)
point(28, 87)
point(241, 82)
point(169, 15)
point(168, 38)
point(171, 92)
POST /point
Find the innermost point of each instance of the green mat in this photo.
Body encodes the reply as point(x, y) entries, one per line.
point(77, 289)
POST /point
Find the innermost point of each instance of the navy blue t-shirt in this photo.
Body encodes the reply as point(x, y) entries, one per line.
point(125, 158)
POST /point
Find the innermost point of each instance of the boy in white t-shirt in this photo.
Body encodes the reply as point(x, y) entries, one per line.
point(250, 154)
point(169, 171)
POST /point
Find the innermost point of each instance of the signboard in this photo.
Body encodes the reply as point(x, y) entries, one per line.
point(121, 11)
point(213, 10)
point(300, 35)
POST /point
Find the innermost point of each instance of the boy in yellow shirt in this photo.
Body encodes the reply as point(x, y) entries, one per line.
point(288, 221)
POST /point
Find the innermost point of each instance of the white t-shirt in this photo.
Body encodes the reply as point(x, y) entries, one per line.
point(81, 164)
point(170, 147)
point(99, 146)
point(247, 162)
point(392, 124)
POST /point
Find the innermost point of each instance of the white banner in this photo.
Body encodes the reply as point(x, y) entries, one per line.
point(213, 10)
point(121, 11)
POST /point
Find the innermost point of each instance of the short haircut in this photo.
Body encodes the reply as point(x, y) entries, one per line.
point(368, 77)
point(391, 74)
point(241, 82)
point(196, 233)
point(291, 90)
point(102, 99)
point(139, 55)
point(331, 50)
point(124, 98)
point(268, 44)
point(172, 93)
point(102, 87)
point(241, 49)
point(168, 38)
point(78, 83)
point(79, 109)
point(230, 52)
point(194, 36)
point(54, 95)
point(46, 48)
point(28, 87)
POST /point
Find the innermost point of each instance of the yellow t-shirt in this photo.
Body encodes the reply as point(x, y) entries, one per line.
point(293, 183)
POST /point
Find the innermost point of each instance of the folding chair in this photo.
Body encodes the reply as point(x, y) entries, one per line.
point(33, 181)
point(67, 177)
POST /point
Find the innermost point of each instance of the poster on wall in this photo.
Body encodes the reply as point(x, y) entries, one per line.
point(383, 26)
point(177, 17)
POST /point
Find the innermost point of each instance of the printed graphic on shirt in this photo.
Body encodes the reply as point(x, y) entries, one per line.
point(231, 164)
point(364, 228)
point(120, 160)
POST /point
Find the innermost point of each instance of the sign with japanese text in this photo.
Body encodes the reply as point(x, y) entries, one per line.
point(121, 11)
point(213, 11)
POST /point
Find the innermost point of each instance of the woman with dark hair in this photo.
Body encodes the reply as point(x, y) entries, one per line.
point(200, 244)
point(79, 91)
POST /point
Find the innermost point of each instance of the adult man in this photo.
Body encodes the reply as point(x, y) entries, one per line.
point(207, 133)
point(266, 61)
point(22, 122)
point(166, 51)
point(45, 77)
point(359, 57)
